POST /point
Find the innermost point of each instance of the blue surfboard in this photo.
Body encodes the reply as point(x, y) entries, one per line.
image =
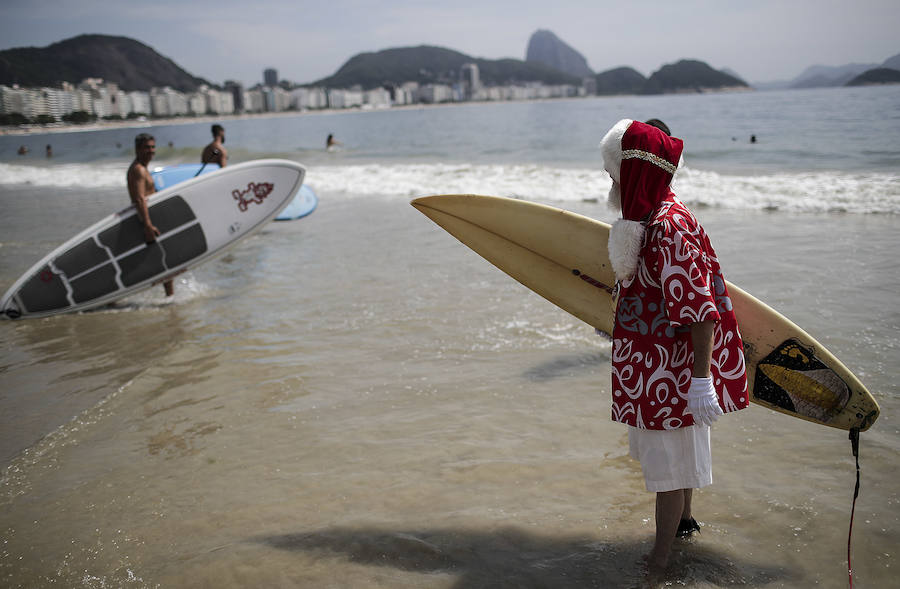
point(172, 175)
point(303, 204)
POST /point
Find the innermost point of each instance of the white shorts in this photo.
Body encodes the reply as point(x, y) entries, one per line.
point(672, 459)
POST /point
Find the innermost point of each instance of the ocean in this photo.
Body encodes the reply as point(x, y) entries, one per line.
point(355, 399)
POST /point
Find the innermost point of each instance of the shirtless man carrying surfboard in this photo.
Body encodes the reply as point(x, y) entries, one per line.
point(140, 187)
point(215, 152)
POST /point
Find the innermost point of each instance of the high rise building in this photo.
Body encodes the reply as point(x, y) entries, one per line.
point(470, 75)
point(237, 95)
point(270, 77)
point(471, 80)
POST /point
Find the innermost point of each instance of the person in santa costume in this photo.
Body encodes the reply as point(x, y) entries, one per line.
point(677, 356)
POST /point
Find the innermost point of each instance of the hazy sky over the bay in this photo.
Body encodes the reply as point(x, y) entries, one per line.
point(761, 40)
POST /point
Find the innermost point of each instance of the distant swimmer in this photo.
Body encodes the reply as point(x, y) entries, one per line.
point(753, 139)
point(331, 143)
point(215, 152)
point(140, 187)
point(24, 150)
point(49, 150)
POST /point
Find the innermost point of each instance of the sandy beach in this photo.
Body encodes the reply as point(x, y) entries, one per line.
point(100, 125)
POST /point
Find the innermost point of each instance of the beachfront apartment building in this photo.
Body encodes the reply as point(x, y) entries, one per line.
point(196, 102)
point(50, 102)
point(435, 93)
point(338, 98)
point(139, 103)
point(168, 102)
point(218, 102)
point(405, 93)
point(276, 99)
point(34, 102)
point(254, 101)
point(265, 99)
point(309, 98)
point(376, 98)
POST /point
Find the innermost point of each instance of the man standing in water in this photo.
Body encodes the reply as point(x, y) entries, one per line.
point(677, 358)
point(215, 152)
point(140, 187)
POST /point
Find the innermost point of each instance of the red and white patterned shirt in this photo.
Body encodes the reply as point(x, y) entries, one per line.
point(677, 282)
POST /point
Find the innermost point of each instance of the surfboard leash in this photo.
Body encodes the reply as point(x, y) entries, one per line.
point(854, 445)
point(200, 171)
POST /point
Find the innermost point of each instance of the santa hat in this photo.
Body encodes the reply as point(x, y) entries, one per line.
point(641, 160)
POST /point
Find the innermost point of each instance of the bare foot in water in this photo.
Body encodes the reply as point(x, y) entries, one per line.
point(655, 571)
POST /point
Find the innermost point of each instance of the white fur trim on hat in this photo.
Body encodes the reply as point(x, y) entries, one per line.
point(614, 200)
point(625, 241)
point(611, 148)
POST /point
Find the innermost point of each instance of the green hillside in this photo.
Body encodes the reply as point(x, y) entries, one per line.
point(129, 63)
point(689, 75)
point(429, 65)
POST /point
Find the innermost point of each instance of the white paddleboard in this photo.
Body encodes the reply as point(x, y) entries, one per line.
point(198, 219)
point(303, 204)
point(562, 256)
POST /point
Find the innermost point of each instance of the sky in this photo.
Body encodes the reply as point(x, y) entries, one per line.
point(760, 40)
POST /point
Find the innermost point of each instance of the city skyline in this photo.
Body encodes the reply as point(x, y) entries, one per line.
point(763, 41)
point(95, 98)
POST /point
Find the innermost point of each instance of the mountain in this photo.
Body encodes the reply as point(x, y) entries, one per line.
point(546, 48)
point(823, 76)
point(881, 75)
point(892, 62)
point(430, 65)
point(129, 63)
point(621, 80)
point(689, 75)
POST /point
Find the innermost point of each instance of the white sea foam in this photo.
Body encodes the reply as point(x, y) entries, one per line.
point(873, 192)
point(532, 182)
point(108, 175)
point(865, 192)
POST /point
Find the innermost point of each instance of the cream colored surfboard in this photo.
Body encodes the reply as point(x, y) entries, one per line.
point(562, 256)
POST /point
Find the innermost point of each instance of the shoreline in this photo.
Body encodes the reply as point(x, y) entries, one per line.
point(62, 127)
point(55, 128)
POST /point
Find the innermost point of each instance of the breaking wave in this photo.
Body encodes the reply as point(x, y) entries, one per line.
point(826, 191)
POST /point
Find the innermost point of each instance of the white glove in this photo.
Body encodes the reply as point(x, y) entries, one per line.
point(703, 403)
